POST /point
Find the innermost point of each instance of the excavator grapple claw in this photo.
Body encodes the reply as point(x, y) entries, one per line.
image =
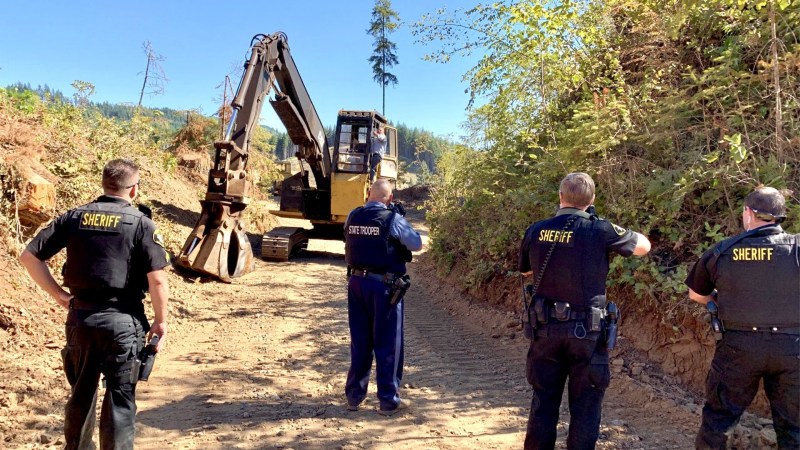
point(218, 245)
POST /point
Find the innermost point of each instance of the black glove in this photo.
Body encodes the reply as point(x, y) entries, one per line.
point(145, 210)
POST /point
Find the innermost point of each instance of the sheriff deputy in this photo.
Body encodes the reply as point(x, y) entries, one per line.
point(114, 253)
point(754, 278)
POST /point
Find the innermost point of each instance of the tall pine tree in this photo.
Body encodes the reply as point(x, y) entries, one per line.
point(384, 21)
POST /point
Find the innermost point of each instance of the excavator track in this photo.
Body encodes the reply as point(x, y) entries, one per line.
point(280, 243)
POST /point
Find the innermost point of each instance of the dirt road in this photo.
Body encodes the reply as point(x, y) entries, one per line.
point(261, 363)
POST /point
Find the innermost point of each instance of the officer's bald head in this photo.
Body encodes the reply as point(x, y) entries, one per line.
point(119, 175)
point(381, 191)
point(577, 190)
point(767, 203)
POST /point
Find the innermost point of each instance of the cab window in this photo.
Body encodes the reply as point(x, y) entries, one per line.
point(351, 154)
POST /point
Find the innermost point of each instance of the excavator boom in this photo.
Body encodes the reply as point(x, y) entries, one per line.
point(218, 245)
point(323, 191)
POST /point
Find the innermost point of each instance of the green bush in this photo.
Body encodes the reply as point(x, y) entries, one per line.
point(671, 107)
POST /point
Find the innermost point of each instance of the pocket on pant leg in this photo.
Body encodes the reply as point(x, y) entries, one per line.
point(118, 368)
point(70, 359)
point(599, 374)
point(539, 370)
point(127, 343)
point(732, 380)
point(715, 389)
point(529, 369)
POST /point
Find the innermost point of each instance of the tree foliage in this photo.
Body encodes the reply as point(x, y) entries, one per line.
point(419, 148)
point(384, 21)
point(44, 92)
point(83, 91)
point(677, 109)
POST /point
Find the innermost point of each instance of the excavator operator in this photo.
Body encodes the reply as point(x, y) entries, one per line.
point(376, 150)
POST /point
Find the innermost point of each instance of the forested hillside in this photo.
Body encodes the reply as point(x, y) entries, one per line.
point(67, 144)
point(677, 109)
point(418, 148)
point(167, 118)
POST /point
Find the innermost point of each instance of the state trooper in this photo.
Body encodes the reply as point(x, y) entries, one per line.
point(568, 255)
point(378, 243)
point(753, 280)
point(114, 253)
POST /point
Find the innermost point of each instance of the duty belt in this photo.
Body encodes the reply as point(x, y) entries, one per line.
point(82, 305)
point(735, 326)
point(573, 315)
point(384, 277)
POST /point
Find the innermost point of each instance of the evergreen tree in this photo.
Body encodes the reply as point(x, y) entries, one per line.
point(280, 147)
point(384, 21)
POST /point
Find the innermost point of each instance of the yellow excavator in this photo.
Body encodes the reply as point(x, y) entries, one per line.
point(331, 182)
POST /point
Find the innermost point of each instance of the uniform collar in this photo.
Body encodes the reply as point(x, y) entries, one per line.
point(374, 204)
point(770, 228)
point(570, 211)
point(112, 199)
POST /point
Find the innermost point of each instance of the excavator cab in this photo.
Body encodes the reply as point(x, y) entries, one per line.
point(349, 183)
point(351, 160)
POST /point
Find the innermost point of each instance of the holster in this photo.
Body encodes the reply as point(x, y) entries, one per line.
point(535, 315)
point(136, 370)
point(613, 314)
point(143, 363)
point(542, 310)
point(398, 289)
point(529, 323)
point(716, 324)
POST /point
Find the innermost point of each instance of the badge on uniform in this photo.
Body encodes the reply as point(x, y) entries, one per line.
point(620, 231)
point(158, 239)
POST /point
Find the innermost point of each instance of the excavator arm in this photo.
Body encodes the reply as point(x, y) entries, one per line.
point(218, 245)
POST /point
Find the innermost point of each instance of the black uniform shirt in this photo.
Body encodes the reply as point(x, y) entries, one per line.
point(149, 254)
point(578, 267)
point(753, 269)
point(701, 280)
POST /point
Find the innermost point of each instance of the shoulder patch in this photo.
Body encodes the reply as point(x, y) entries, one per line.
point(618, 229)
point(158, 238)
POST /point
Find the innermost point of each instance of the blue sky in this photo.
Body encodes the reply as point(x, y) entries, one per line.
point(57, 42)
